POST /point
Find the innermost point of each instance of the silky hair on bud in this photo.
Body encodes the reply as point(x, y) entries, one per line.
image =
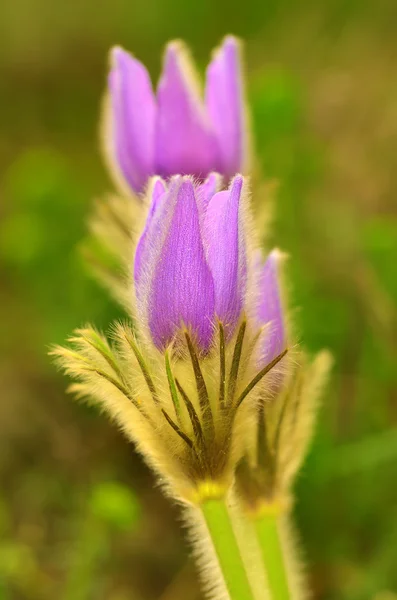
point(295, 567)
point(311, 383)
point(112, 227)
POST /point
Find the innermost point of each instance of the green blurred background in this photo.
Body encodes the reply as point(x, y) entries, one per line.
point(80, 515)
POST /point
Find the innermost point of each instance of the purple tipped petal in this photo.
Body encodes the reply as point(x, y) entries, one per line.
point(158, 190)
point(185, 143)
point(151, 229)
point(226, 253)
point(182, 288)
point(225, 105)
point(270, 310)
point(132, 119)
point(206, 190)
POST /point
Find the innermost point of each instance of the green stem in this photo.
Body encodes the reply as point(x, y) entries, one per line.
point(267, 530)
point(220, 529)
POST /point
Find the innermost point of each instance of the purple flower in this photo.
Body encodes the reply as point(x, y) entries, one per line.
point(190, 261)
point(209, 331)
point(175, 131)
point(191, 267)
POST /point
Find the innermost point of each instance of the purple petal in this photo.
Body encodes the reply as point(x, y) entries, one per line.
point(182, 288)
point(225, 105)
point(270, 309)
point(144, 244)
point(132, 119)
point(226, 253)
point(206, 190)
point(185, 143)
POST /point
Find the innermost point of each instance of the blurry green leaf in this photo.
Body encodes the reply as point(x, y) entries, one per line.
point(379, 238)
point(17, 561)
point(361, 456)
point(115, 504)
point(377, 360)
point(34, 177)
point(276, 104)
point(22, 239)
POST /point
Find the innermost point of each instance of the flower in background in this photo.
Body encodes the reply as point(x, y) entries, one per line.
point(175, 130)
point(208, 328)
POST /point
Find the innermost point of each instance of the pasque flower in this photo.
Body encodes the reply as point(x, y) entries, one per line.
point(209, 327)
point(190, 262)
point(175, 130)
point(199, 380)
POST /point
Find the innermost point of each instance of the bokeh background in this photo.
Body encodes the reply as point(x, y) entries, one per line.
point(80, 515)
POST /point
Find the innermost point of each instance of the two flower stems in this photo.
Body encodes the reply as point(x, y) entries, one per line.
point(227, 548)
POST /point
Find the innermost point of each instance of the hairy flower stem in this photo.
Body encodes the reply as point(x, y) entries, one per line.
point(217, 519)
point(267, 528)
